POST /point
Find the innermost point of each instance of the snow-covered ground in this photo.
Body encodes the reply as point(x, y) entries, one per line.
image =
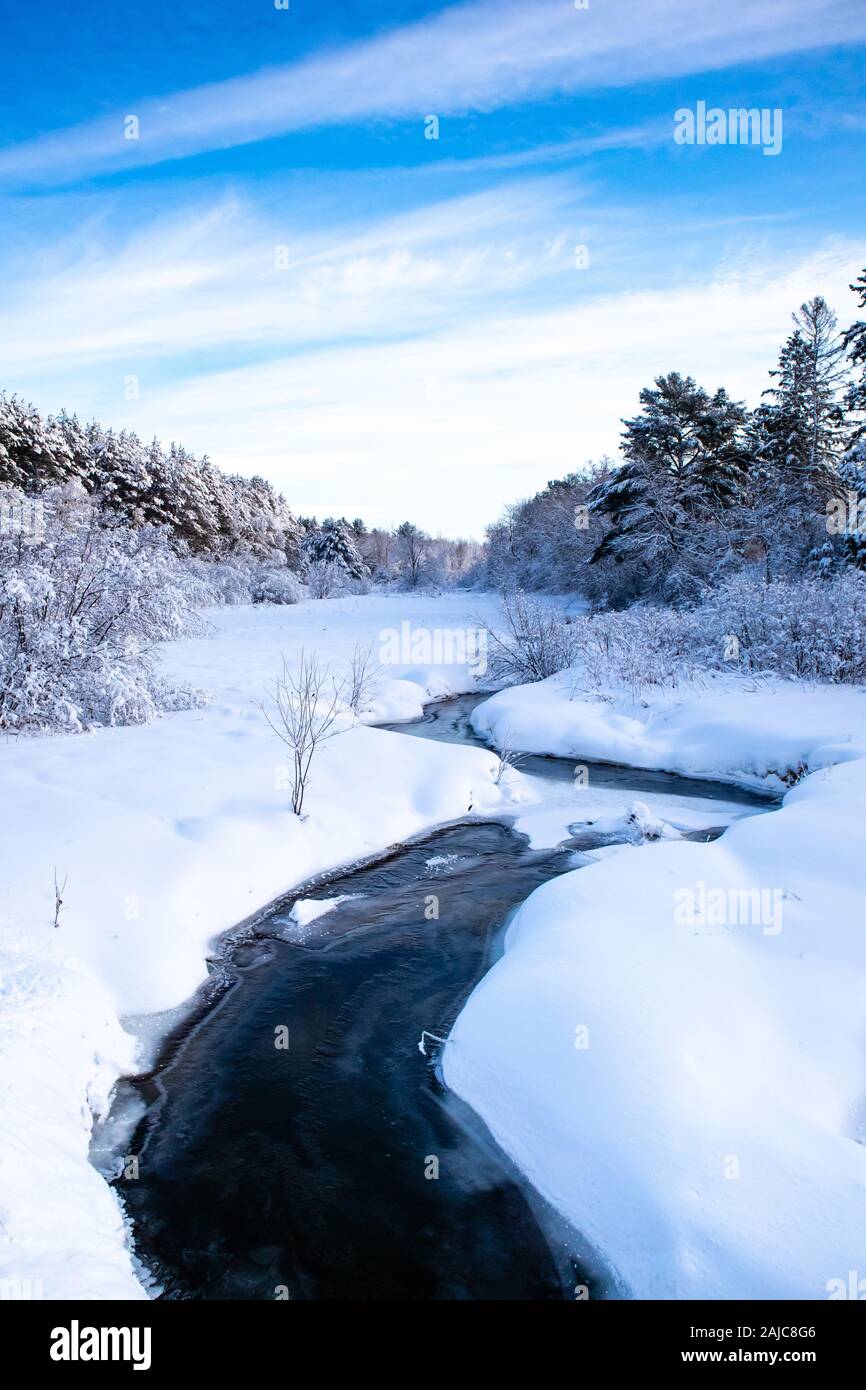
point(689, 1094)
point(679, 1068)
point(166, 835)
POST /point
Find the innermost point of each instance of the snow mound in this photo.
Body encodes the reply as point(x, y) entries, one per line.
point(671, 1047)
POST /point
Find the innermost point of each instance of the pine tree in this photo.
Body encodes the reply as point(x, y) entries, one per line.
point(684, 468)
point(33, 453)
point(332, 543)
point(118, 472)
point(795, 439)
point(854, 342)
point(852, 470)
point(807, 433)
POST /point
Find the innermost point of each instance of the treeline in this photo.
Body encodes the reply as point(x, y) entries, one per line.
point(208, 512)
point(706, 489)
point(338, 550)
point(243, 536)
point(242, 533)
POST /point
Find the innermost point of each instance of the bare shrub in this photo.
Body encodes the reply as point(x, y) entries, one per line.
point(812, 629)
point(537, 641)
point(643, 646)
point(325, 578)
point(303, 716)
point(506, 757)
point(59, 890)
point(362, 680)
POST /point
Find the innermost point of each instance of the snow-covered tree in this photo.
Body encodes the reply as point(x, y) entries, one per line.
point(33, 453)
point(545, 542)
point(684, 469)
point(413, 546)
point(852, 470)
point(805, 422)
point(854, 342)
point(81, 608)
point(206, 511)
point(333, 543)
point(794, 442)
point(118, 473)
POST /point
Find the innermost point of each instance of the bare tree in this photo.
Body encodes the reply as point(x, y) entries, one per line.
point(413, 544)
point(303, 716)
point(324, 578)
point(537, 641)
point(362, 679)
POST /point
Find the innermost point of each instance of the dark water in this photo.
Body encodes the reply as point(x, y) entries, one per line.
point(449, 722)
point(305, 1167)
point(306, 1171)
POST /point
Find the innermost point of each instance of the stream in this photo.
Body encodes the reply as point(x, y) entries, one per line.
point(295, 1143)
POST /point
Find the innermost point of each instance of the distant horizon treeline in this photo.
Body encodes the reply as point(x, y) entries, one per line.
point(210, 514)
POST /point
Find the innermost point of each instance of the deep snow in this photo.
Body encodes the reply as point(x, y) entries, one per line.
point(169, 834)
point(706, 1043)
point(689, 1089)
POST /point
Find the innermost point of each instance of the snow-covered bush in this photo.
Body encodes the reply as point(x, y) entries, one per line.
point(275, 584)
point(537, 641)
point(226, 581)
point(640, 646)
point(81, 609)
point(325, 579)
point(804, 629)
point(245, 578)
point(809, 628)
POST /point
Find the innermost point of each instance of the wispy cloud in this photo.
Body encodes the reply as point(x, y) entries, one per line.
point(491, 411)
point(645, 136)
point(226, 278)
point(451, 350)
point(477, 57)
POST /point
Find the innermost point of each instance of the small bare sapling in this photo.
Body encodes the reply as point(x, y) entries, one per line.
point(302, 713)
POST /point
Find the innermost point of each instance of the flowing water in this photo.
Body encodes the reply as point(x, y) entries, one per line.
point(449, 721)
point(297, 1143)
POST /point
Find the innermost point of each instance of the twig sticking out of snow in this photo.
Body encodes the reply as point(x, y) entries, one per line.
point(507, 758)
point(58, 897)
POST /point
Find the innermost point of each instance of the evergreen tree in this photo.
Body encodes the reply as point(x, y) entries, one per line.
point(33, 453)
point(684, 468)
point(332, 543)
point(118, 472)
point(854, 341)
point(794, 443)
point(852, 470)
point(205, 511)
point(805, 434)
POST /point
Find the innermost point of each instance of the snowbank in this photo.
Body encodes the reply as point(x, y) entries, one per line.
point(168, 834)
point(672, 1047)
point(689, 1094)
point(729, 730)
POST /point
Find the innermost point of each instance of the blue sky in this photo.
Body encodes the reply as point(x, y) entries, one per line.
point(283, 272)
